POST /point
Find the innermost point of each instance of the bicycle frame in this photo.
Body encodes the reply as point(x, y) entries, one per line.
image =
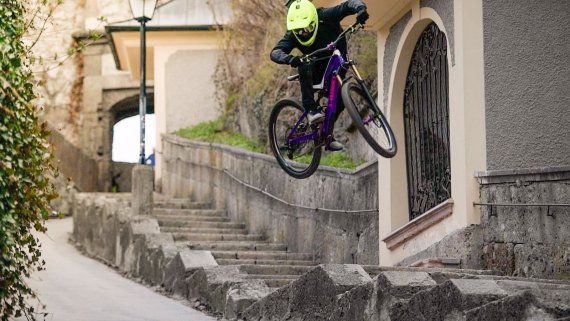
point(334, 82)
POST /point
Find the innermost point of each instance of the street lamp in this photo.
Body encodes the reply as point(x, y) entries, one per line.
point(142, 11)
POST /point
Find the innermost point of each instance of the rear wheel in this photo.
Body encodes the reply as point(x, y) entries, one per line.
point(300, 159)
point(368, 119)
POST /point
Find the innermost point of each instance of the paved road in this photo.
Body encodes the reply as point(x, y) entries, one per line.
point(77, 288)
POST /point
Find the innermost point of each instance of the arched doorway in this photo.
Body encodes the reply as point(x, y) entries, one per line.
point(124, 129)
point(426, 123)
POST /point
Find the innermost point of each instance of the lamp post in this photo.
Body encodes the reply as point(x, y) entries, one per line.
point(142, 11)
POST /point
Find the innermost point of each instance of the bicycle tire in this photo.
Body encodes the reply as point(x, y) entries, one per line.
point(369, 119)
point(279, 127)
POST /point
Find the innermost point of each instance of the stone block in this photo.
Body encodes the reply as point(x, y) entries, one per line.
point(542, 261)
point(524, 306)
point(142, 190)
point(152, 263)
point(374, 300)
point(464, 245)
point(184, 263)
point(447, 301)
point(500, 257)
point(242, 295)
point(210, 285)
point(356, 304)
point(311, 297)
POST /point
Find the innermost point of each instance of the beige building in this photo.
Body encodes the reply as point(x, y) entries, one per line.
point(478, 104)
point(183, 41)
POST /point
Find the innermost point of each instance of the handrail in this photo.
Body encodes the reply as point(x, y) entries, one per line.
point(316, 209)
point(547, 205)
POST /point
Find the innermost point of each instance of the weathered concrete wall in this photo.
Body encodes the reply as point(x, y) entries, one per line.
point(527, 241)
point(190, 89)
point(527, 60)
point(105, 227)
point(204, 171)
point(73, 163)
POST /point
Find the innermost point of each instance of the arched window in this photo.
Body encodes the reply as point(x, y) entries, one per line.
point(426, 123)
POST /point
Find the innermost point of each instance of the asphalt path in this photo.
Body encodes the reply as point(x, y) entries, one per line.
point(78, 288)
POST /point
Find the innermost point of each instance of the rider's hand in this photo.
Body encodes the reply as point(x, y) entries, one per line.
point(362, 16)
point(295, 62)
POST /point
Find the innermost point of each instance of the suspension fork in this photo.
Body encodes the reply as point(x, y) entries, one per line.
point(363, 86)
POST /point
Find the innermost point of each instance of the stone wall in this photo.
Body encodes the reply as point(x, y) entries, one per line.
point(212, 172)
point(74, 164)
point(527, 241)
point(524, 241)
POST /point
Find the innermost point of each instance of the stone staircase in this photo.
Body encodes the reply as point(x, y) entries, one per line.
point(199, 227)
point(337, 292)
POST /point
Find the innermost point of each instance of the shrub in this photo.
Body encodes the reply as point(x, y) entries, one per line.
point(25, 159)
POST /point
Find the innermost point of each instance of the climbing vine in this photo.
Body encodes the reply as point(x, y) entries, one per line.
point(25, 160)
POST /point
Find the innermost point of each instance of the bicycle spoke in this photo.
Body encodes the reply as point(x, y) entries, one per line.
point(293, 140)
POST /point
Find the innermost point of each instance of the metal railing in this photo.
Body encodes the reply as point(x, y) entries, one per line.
point(493, 206)
point(316, 209)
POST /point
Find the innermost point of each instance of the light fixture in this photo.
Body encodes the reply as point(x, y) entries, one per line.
point(142, 10)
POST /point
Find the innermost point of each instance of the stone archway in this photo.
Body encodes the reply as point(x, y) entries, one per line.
point(118, 177)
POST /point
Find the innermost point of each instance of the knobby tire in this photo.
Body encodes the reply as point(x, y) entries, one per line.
point(371, 109)
point(277, 143)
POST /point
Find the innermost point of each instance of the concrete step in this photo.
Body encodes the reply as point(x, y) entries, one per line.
point(374, 270)
point(234, 246)
point(257, 255)
point(277, 283)
point(216, 237)
point(180, 203)
point(176, 212)
point(274, 281)
point(275, 269)
point(265, 262)
point(200, 224)
point(188, 221)
point(208, 230)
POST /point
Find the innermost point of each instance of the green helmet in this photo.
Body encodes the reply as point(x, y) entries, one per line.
point(303, 21)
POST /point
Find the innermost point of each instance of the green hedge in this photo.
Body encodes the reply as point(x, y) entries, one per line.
point(25, 190)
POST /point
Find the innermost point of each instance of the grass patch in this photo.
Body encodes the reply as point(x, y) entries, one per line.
point(212, 131)
point(337, 159)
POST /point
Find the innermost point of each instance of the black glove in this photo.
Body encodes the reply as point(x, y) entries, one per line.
point(362, 16)
point(295, 62)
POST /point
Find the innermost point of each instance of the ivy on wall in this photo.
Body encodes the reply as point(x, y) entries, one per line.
point(25, 158)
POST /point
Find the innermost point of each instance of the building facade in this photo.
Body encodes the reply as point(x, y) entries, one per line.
point(477, 93)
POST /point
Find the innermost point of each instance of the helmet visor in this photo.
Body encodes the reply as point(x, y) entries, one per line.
point(306, 32)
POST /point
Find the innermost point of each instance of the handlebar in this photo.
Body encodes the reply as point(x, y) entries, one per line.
point(332, 46)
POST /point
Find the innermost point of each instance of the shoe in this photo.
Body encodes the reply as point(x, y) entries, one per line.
point(335, 146)
point(315, 116)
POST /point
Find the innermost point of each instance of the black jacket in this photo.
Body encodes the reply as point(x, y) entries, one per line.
point(328, 31)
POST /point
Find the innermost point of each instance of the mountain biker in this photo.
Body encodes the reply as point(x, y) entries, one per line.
point(309, 29)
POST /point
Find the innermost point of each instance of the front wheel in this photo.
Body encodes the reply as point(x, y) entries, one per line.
point(369, 120)
point(293, 140)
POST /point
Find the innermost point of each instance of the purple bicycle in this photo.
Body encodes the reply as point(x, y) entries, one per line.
point(297, 144)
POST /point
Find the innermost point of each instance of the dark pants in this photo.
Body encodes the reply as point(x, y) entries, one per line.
point(312, 74)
